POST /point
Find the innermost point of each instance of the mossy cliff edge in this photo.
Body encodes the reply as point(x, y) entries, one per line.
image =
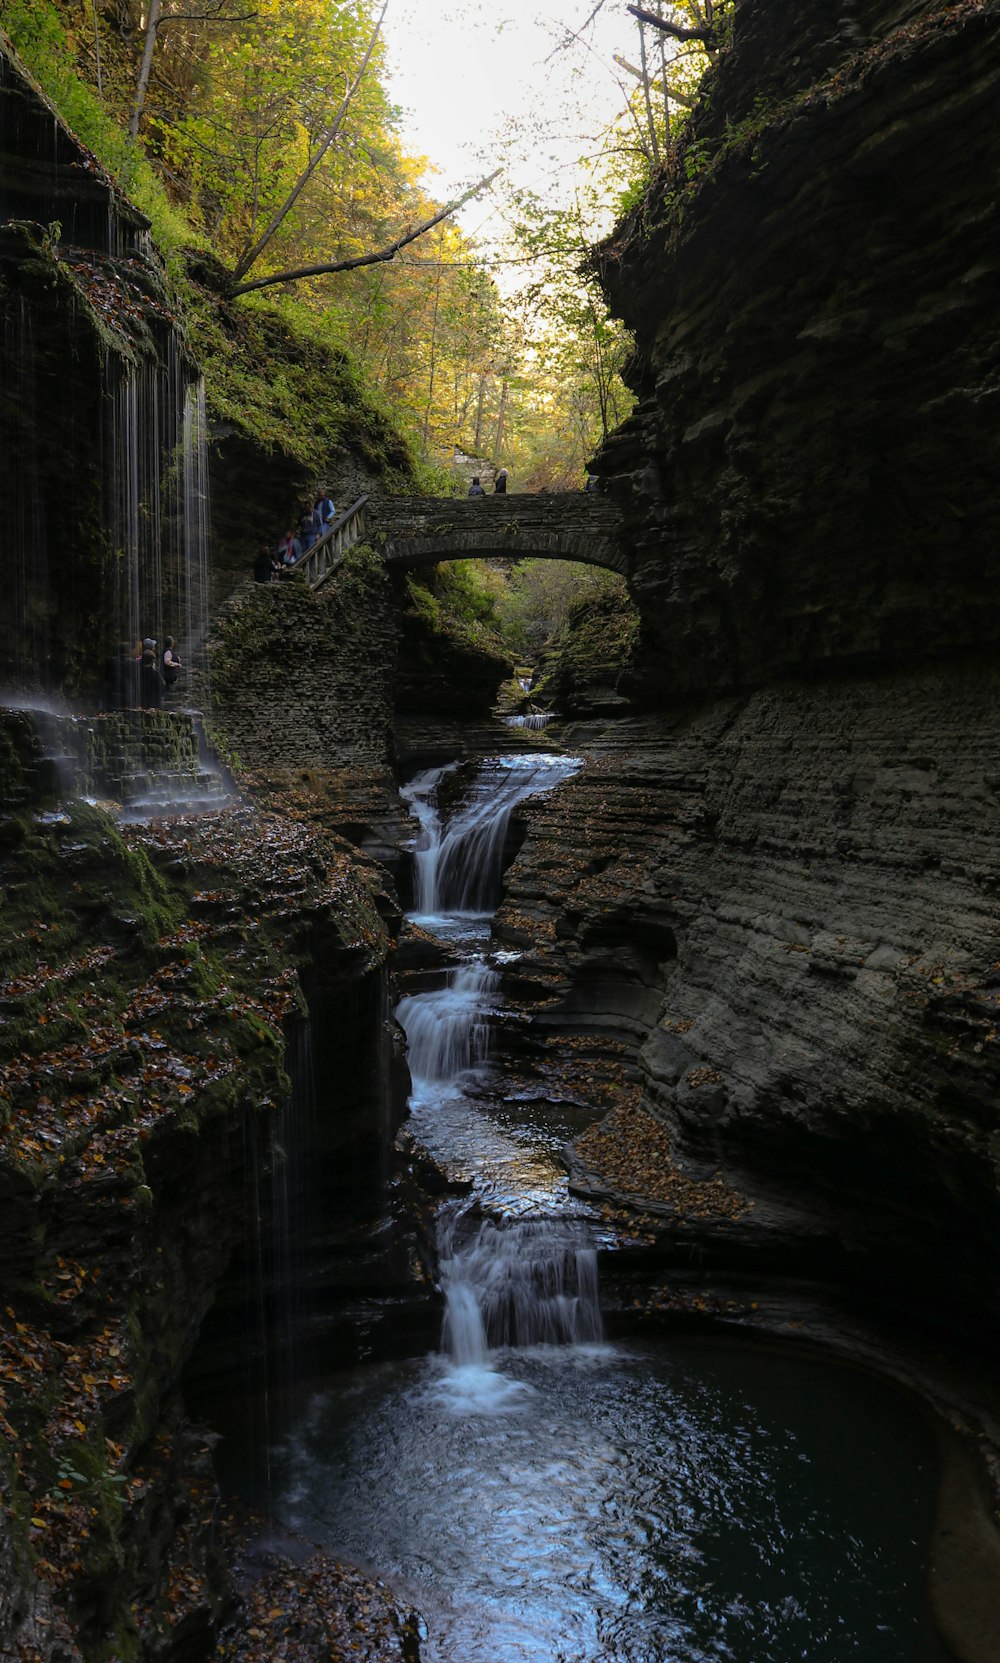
point(159, 980)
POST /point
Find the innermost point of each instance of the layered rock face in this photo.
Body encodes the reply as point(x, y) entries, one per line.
point(96, 419)
point(814, 284)
point(781, 895)
point(786, 907)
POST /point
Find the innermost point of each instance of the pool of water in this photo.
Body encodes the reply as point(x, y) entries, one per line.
point(690, 1501)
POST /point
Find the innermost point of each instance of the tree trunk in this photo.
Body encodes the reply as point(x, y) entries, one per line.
point(139, 101)
point(433, 362)
point(654, 143)
point(505, 386)
point(480, 403)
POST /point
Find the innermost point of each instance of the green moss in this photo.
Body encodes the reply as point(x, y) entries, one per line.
point(39, 36)
point(597, 643)
point(275, 373)
point(458, 601)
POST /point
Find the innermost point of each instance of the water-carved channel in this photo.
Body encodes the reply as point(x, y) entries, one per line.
point(541, 1493)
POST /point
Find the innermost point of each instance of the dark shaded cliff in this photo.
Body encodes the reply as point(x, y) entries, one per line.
point(158, 981)
point(779, 893)
point(814, 283)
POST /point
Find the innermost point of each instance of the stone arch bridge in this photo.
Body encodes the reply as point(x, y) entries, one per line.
point(558, 525)
point(421, 531)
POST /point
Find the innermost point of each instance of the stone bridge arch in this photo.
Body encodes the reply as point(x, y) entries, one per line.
point(559, 525)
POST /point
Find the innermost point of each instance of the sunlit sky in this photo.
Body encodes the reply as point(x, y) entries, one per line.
point(476, 89)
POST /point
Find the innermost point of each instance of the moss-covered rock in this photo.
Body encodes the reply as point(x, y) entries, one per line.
point(585, 669)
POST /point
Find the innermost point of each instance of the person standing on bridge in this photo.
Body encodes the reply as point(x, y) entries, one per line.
point(475, 489)
point(500, 485)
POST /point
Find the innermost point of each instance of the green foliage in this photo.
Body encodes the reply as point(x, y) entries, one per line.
point(595, 643)
point(540, 595)
point(459, 599)
point(274, 373)
point(37, 32)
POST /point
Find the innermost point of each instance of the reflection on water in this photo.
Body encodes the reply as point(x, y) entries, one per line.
point(690, 1503)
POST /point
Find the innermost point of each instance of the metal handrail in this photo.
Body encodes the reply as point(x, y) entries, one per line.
point(328, 551)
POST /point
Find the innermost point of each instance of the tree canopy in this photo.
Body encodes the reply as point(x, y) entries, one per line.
point(265, 131)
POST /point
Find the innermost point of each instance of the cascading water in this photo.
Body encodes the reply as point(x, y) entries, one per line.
point(195, 520)
point(508, 1281)
point(529, 1282)
point(533, 721)
point(548, 1498)
point(156, 463)
point(447, 1032)
point(458, 864)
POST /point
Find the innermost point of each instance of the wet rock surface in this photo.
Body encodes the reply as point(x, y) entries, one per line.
point(296, 1603)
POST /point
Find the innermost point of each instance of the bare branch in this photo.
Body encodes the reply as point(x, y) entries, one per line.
point(253, 254)
point(208, 17)
point(707, 35)
point(574, 34)
point(659, 85)
point(373, 259)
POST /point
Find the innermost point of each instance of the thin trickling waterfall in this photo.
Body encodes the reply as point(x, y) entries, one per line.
point(507, 1281)
point(25, 624)
point(157, 488)
point(195, 520)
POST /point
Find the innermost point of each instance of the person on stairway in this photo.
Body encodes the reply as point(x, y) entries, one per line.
point(324, 513)
point(475, 489)
point(289, 548)
point(500, 484)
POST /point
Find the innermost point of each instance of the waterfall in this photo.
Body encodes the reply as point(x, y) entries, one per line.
point(508, 1282)
point(25, 620)
point(106, 515)
point(447, 1032)
point(519, 1283)
point(534, 721)
point(458, 865)
point(195, 520)
point(156, 460)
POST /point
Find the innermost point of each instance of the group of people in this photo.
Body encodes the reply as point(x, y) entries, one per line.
point(499, 485)
point(476, 489)
point(139, 675)
point(272, 564)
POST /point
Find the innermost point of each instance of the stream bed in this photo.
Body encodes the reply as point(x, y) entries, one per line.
point(542, 1496)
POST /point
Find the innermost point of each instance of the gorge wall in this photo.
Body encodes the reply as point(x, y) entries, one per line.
point(776, 888)
point(813, 282)
point(781, 894)
point(177, 991)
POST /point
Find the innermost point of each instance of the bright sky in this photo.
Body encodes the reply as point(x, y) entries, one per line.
point(468, 72)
